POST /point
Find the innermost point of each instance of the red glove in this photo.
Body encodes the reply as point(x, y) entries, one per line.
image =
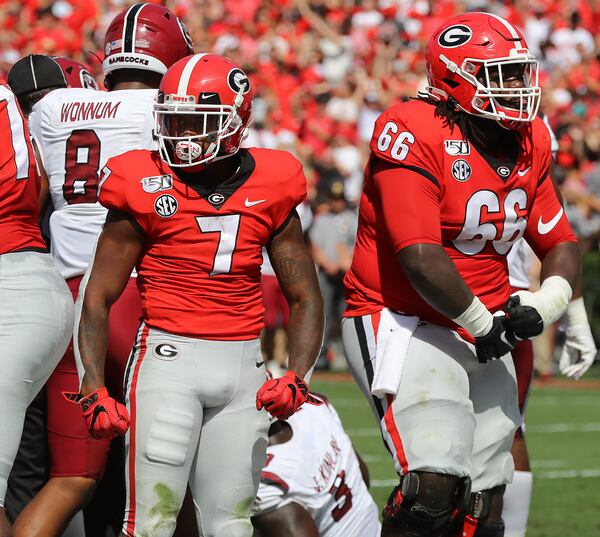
point(105, 417)
point(283, 396)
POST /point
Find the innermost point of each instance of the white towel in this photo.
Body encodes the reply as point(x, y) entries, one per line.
point(393, 337)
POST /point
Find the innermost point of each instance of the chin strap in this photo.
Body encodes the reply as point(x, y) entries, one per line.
point(434, 94)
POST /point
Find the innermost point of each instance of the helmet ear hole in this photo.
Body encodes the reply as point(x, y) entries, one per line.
point(451, 83)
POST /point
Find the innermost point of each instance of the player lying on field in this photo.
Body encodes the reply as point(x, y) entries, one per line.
point(313, 484)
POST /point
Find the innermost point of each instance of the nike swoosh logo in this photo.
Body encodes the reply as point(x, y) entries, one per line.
point(205, 96)
point(544, 228)
point(258, 364)
point(523, 172)
point(249, 203)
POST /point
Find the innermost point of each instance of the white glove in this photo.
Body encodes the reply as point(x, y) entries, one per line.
point(579, 351)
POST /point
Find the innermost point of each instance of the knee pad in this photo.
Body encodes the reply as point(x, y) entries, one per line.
point(423, 503)
point(476, 514)
point(241, 527)
point(480, 502)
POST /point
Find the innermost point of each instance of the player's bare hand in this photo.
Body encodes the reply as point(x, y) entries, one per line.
point(499, 341)
point(283, 396)
point(105, 416)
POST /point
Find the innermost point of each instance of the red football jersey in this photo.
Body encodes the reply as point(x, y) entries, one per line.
point(424, 183)
point(199, 274)
point(19, 183)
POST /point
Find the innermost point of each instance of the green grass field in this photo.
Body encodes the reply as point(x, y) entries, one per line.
point(563, 433)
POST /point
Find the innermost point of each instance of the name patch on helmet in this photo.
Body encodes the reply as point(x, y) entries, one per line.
point(455, 36)
point(237, 80)
point(127, 59)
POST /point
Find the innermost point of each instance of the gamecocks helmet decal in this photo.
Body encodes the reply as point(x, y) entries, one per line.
point(145, 36)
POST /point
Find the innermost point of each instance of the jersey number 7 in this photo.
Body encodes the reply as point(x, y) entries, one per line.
point(227, 226)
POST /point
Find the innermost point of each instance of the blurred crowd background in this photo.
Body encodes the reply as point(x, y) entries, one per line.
point(323, 70)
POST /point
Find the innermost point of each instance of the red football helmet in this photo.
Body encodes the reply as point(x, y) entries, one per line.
point(145, 36)
point(203, 110)
point(76, 73)
point(474, 59)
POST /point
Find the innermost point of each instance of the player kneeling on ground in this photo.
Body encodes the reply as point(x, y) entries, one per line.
point(192, 218)
point(454, 179)
point(313, 483)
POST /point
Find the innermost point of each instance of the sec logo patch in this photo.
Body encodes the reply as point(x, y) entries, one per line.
point(165, 205)
point(461, 171)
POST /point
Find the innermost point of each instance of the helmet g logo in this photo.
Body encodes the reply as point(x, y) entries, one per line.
point(455, 36)
point(237, 80)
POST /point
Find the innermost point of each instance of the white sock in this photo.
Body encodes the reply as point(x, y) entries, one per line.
point(516, 504)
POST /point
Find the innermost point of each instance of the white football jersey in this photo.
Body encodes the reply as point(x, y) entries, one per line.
point(519, 261)
point(318, 469)
point(77, 131)
point(521, 256)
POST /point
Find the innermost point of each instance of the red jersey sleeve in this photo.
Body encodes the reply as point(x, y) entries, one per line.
point(407, 171)
point(404, 136)
point(115, 190)
point(547, 225)
point(410, 204)
point(295, 186)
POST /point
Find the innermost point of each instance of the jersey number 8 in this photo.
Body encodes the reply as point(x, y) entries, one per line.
point(82, 161)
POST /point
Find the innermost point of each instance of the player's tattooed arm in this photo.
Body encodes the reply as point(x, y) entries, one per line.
point(435, 277)
point(295, 270)
point(117, 251)
point(292, 519)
